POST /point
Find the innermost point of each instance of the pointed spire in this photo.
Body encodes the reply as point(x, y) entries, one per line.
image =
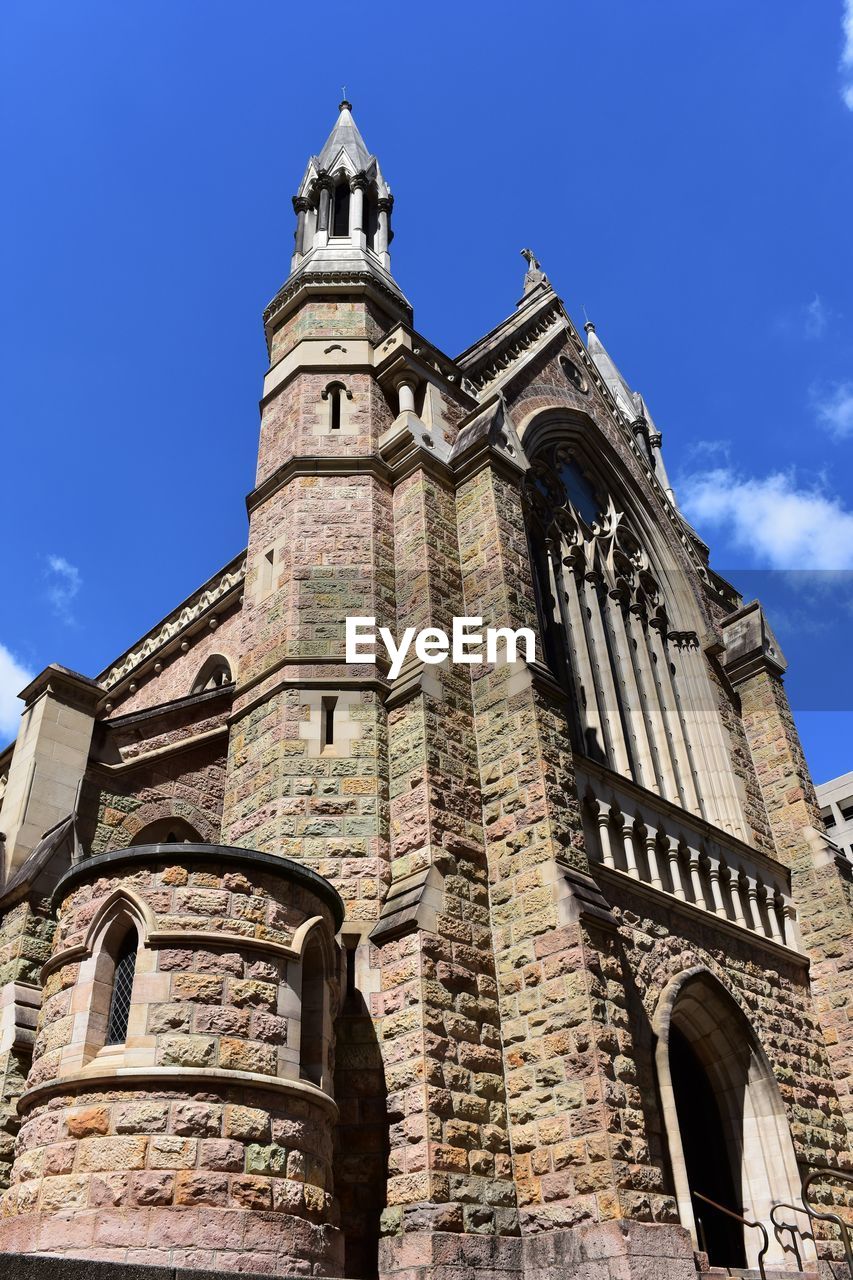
point(343, 220)
point(616, 384)
point(345, 140)
point(631, 404)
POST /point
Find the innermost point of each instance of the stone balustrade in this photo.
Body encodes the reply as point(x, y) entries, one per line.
point(634, 833)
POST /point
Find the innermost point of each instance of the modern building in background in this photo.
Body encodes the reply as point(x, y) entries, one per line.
point(516, 969)
point(836, 809)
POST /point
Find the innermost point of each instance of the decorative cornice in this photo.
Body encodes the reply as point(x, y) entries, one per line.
point(326, 280)
point(317, 466)
point(213, 592)
point(156, 1077)
point(66, 686)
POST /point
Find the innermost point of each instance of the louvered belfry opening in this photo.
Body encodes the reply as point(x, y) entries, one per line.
point(122, 988)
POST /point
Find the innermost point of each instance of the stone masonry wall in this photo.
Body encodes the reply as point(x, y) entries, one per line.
point(190, 785)
point(821, 886)
point(551, 1017)
point(449, 1165)
point(655, 944)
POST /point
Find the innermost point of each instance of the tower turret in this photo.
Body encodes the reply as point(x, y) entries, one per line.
point(343, 206)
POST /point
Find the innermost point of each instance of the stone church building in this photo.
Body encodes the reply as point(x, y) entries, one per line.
point(494, 971)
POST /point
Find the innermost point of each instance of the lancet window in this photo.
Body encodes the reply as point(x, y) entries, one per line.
point(641, 699)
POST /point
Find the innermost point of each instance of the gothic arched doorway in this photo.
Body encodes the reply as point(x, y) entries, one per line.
point(726, 1130)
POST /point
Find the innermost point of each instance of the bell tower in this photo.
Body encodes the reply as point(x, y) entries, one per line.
point(302, 726)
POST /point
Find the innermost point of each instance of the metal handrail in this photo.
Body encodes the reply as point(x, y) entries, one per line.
point(746, 1222)
point(821, 1171)
point(792, 1227)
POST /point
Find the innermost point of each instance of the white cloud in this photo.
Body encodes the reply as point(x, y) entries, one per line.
point(834, 408)
point(64, 582)
point(847, 55)
point(777, 524)
point(817, 316)
point(707, 452)
point(13, 678)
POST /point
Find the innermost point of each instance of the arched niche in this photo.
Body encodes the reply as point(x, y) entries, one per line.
point(169, 830)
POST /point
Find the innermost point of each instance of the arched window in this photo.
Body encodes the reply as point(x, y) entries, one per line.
point(125, 967)
point(340, 210)
point(336, 393)
point(642, 702)
point(215, 674)
point(312, 1042)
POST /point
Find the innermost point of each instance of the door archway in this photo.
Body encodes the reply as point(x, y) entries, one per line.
point(726, 1129)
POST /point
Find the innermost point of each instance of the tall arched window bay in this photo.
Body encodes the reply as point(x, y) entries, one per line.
point(642, 703)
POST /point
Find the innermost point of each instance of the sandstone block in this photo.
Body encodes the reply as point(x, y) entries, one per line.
point(97, 1155)
point(141, 1117)
point(153, 1188)
point(247, 1124)
point(187, 1051)
point(71, 1192)
point(221, 1154)
point(172, 1153)
point(197, 1119)
point(201, 1188)
point(201, 988)
point(249, 992)
point(251, 1192)
point(247, 1055)
point(89, 1120)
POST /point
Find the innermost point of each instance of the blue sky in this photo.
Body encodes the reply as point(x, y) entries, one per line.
point(682, 170)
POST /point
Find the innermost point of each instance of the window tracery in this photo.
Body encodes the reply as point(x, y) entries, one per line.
point(642, 704)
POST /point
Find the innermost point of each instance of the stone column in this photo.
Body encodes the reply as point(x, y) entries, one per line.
point(300, 205)
point(356, 209)
point(321, 235)
point(383, 228)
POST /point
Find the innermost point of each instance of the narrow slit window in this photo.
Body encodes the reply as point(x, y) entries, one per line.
point(335, 393)
point(122, 988)
point(327, 723)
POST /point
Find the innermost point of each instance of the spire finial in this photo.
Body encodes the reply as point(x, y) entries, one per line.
point(589, 327)
point(344, 104)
